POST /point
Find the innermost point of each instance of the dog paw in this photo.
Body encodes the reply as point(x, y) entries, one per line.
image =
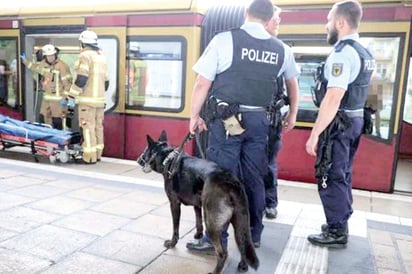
point(169, 243)
point(242, 267)
point(198, 235)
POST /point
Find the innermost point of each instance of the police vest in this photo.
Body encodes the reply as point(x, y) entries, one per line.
point(251, 79)
point(355, 96)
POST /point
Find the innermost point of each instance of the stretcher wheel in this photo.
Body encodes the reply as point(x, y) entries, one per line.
point(52, 158)
point(64, 156)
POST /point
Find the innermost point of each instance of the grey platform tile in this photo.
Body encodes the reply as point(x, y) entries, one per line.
point(124, 207)
point(21, 219)
point(61, 205)
point(92, 222)
point(388, 227)
point(154, 198)
point(127, 247)
point(177, 265)
point(273, 242)
point(5, 173)
point(6, 234)
point(158, 226)
point(12, 262)
point(49, 242)
point(39, 191)
point(89, 264)
point(20, 181)
point(9, 200)
point(356, 258)
point(94, 194)
point(69, 183)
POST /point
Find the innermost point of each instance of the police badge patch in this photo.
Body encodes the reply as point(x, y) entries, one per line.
point(337, 69)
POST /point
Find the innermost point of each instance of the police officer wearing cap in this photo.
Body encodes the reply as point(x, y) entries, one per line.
point(56, 80)
point(339, 124)
point(243, 65)
point(88, 90)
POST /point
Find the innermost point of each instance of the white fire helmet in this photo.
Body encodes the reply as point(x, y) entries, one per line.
point(48, 50)
point(88, 37)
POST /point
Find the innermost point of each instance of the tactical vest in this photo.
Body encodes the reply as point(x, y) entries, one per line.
point(355, 96)
point(251, 79)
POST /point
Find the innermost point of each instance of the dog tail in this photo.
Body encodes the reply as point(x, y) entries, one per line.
point(241, 226)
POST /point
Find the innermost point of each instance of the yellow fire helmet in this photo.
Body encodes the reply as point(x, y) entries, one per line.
point(48, 49)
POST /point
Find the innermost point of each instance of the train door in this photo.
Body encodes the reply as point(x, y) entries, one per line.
point(10, 92)
point(403, 180)
point(68, 49)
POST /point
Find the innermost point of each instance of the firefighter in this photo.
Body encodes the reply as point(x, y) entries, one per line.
point(88, 91)
point(137, 77)
point(56, 80)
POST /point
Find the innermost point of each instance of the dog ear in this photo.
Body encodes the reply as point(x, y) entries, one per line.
point(163, 136)
point(150, 141)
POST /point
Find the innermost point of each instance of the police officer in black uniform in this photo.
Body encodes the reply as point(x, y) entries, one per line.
point(243, 65)
point(336, 134)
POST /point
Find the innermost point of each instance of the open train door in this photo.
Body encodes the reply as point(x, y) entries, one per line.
point(10, 90)
point(403, 180)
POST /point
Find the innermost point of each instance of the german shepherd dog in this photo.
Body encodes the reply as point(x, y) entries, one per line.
point(200, 182)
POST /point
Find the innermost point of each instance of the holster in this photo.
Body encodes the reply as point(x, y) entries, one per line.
point(228, 113)
point(367, 120)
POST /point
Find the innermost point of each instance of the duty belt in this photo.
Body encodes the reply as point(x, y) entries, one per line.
point(251, 108)
point(354, 113)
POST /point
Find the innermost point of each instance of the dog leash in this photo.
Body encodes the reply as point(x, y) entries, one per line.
point(172, 162)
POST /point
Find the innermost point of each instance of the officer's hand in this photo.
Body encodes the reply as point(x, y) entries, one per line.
point(311, 145)
point(23, 56)
point(197, 125)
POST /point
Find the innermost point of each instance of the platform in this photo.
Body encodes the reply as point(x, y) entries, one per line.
point(112, 218)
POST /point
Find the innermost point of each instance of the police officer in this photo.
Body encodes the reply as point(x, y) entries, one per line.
point(56, 80)
point(347, 73)
point(137, 76)
point(242, 64)
point(276, 121)
point(88, 90)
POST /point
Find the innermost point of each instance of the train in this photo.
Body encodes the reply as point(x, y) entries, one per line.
point(167, 37)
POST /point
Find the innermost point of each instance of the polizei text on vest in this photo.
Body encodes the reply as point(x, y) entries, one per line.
point(264, 56)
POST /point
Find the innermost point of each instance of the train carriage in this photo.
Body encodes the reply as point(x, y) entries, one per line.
point(151, 47)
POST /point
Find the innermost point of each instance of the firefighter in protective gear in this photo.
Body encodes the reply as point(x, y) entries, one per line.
point(137, 77)
point(88, 91)
point(55, 82)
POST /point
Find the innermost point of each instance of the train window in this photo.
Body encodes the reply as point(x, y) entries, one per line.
point(155, 71)
point(111, 50)
point(9, 72)
point(310, 52)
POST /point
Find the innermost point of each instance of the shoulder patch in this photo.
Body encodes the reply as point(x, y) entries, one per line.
point(337, 69)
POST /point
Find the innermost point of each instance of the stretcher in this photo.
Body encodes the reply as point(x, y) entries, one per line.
point(42, 139)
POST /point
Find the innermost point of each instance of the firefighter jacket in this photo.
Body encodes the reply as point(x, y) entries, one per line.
point(92, 65)
point(56, 78)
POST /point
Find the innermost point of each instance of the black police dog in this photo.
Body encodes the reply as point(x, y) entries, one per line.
point(200, 182)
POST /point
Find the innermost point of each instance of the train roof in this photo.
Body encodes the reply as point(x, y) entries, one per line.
point(53, 8)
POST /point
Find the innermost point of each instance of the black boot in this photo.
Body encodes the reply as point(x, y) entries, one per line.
point(330, 237)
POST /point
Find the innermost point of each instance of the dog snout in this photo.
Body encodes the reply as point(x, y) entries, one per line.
point(140, 161)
